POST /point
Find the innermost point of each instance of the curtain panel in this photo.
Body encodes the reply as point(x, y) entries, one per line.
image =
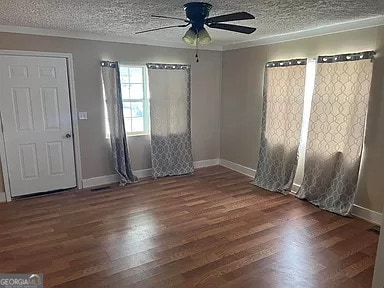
point(112, 94)
point(170, 108)
point(283, 101)
point(336, 131)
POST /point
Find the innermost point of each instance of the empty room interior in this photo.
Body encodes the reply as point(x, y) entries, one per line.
point(191, 144)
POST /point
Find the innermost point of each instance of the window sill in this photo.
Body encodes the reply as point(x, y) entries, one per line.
point(132, 135)
point(138, 134)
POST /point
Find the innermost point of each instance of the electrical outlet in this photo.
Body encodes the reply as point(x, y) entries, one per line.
point(83, 115)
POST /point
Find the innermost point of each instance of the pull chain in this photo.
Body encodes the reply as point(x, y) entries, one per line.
point(197, 50)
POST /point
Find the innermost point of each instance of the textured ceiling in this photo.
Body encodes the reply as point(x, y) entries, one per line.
point(123, 17)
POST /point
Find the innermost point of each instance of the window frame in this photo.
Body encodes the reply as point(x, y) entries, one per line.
point(145, 99)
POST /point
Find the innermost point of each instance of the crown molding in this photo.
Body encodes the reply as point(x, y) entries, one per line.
point(324, 30)
point(102, 37)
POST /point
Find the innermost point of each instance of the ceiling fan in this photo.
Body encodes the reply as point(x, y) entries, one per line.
point(197, 16)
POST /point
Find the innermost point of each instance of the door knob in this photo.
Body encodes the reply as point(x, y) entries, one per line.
point(68, 135)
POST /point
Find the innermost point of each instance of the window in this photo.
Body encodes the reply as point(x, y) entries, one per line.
point(135, 100)
point(308, 93)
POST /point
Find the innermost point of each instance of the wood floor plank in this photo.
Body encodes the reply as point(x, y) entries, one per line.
point(209, 229)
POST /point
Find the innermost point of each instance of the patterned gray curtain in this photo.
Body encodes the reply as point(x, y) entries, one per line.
point(284, 83)
point(336, 131)
point(170, 108)
point(112, 95)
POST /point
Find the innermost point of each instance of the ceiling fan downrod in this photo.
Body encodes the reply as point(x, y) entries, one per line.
point(197, 50)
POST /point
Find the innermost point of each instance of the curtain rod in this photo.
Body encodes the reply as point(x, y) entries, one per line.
point(168, 66)
point(111, 64)
point(283, 63)
point(347, 57)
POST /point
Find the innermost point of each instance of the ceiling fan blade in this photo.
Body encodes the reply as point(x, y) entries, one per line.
point(234, 28)
point(168, 17)
point(161, 28)
point(230, 17)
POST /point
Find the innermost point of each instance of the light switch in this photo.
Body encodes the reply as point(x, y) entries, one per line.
point(83, 115)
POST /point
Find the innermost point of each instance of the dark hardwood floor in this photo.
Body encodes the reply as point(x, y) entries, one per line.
point(212, 229)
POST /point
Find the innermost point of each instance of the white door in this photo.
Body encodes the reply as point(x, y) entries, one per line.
point(36, 115)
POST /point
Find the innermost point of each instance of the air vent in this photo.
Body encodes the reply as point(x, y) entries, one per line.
point(375, 229)
point(102, 188)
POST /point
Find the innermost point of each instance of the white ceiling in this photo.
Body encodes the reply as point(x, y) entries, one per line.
point(121, 18)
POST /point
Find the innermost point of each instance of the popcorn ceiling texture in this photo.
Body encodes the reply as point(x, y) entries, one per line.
point(123, 18)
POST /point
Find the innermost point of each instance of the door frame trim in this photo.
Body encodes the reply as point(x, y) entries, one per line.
point(75, 122)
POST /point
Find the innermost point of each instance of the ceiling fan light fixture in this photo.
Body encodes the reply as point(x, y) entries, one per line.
point(204, 37)
point(197, 18)
point(190, 37)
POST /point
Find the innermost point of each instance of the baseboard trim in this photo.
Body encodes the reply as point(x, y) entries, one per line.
point(101, 180)
point(366, 214)
point(143, 173)
point(238, 168)
point(3, 199)
point(206, 163)
point(109, 179)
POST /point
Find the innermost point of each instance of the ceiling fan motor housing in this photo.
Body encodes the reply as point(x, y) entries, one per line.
point(197, 12)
